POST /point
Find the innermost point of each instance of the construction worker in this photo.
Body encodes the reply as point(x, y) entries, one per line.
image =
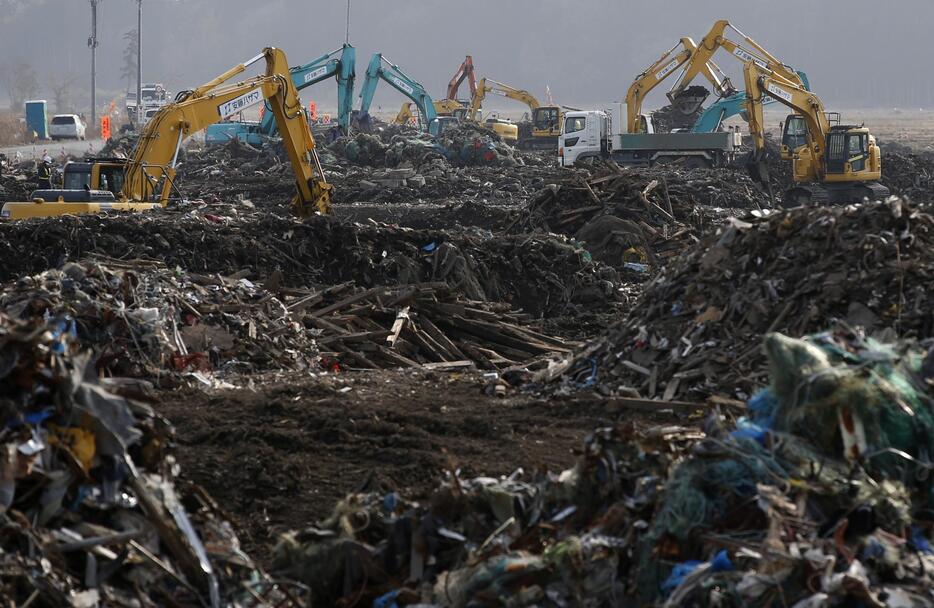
point(44, 173)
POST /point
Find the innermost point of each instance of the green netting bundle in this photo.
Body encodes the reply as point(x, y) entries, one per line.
point(835, 380)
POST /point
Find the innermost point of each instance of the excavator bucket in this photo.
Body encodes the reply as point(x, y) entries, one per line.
point(690, 100)
point(758, 169)
point(320, 203)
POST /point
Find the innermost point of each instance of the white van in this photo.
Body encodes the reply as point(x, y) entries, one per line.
point(66, 126)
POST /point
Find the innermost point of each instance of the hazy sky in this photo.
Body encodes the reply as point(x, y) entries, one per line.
point(858, 53)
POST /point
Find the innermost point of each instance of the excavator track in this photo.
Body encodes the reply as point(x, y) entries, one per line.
point(873, 191)
point(804, 196)
point(834, 194)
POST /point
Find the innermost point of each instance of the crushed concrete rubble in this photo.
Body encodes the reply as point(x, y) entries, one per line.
point(696, 330)
point(815, 497)
point(92, 512)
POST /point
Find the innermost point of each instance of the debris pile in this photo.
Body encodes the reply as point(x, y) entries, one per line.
point(437, 180)
point(235, 170)
point(144, 320)
point(697, 328)
point(424, 325)
point(908, 173)
point(467, 143)
point(372, 150)
point(17, 180)
point(461, 144)
point(541, 274)
point(821, 496)
point(617, 210)
point(121, 146)
point(91, 507)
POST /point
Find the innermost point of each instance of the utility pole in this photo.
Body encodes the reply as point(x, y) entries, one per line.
point(347, 34)
point(139, 63)
point(92, 43)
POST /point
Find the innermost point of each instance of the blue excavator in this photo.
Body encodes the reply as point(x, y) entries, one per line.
point(338, 64)
point(713, 117)
point(381, 68)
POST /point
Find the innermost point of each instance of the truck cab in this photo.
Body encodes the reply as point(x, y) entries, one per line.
point(584, 135)
point(598, 134)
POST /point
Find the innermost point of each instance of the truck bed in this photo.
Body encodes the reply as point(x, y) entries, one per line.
point(674, 141)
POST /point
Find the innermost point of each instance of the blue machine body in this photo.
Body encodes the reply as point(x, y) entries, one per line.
point(714, 116)
point(381, 68)
point(340, 64)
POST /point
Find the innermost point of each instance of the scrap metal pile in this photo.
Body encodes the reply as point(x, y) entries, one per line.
point(821, 496)
point(697, 329)
point(92, 513)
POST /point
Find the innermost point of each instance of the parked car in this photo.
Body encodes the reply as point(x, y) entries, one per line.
point(66, 126)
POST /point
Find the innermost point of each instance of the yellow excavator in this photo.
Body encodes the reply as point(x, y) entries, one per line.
point(830, 163)
point(444, 107)
point(694, 60)
point(546, 120)
point(147, 179)
point(507, 130)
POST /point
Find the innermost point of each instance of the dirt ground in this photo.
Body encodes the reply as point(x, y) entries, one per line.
point(280, 454)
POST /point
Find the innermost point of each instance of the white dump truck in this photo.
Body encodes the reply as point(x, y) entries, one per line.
point(599, 134)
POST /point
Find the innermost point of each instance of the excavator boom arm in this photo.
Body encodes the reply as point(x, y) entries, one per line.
point(652, 77)
point(381, 68)
point(746, 50)
point(152, 169)
point(464, 72)
point(498, 88)
point(761, 82)
point(340, 63)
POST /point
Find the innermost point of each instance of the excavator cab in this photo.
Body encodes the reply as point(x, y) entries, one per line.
point(546, 118)
point(847, 149)
point(794, 135)
point(95, 174)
